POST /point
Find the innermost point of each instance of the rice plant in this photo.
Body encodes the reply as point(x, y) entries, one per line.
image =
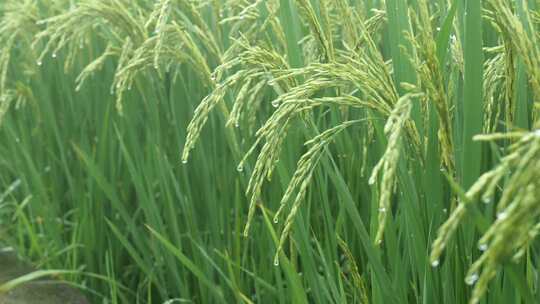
point(277, 151)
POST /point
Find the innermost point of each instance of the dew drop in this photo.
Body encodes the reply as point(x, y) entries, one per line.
point(438, 29)
point(54, 55)
point(275, 103)
point(486, 199)
point(502, 215)
point(470, 280)
point(445, 210)
point(240, 168)
point(382, 209)
point(184, 161)
point(39, 62)
point(483, 247)
point(276, 262)
point(435, 263)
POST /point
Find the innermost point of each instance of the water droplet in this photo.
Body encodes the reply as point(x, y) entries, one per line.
point(275, 103)
point(382, 209)
point(39, 62)
point(276, 262)
point(435, 263)
point(502, 215)
point(184, 161)
point(54, 55)
point(445, 210)
point(486, 199)
point(240, 168)
point(483, 247)
point(470, 280)
point(438, 29)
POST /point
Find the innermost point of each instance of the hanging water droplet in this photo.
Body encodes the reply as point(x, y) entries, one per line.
point(184, 161)
point(486, 199)
point(275, 103)
point(502, 215)
point(54, 55)
point(445, 210)
point(276, 262)
point(483, 247)
point(435, 263)
point(438, 29)
point(470, 280)
point(39, 62)
point(240, 168)
point(382, 209)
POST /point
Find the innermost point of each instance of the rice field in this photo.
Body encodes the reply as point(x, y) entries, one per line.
point(273, 151)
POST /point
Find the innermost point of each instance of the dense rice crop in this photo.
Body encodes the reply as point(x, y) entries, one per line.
point(274, 151)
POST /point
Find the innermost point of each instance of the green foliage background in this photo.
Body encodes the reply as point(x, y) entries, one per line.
point(156, 148)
